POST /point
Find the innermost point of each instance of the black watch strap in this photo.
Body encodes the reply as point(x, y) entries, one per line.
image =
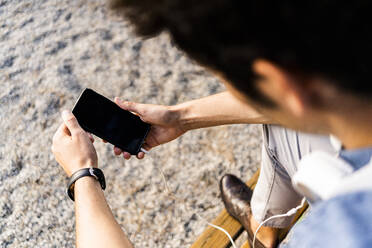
point(91, 172)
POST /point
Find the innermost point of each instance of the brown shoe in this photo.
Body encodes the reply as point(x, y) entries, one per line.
point(236, 196)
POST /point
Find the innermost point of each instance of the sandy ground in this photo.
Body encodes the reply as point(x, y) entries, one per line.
point(49, 52)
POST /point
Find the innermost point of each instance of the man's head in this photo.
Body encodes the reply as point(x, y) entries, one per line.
point(292, 59)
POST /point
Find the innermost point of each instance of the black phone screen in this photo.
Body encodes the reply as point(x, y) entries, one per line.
point(100, 116)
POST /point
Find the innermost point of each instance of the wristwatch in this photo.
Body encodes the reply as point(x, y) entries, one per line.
point(91, 172)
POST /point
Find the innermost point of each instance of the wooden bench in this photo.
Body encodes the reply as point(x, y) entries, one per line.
point(213, 238)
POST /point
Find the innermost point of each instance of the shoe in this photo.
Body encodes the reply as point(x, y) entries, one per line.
point(236, 196)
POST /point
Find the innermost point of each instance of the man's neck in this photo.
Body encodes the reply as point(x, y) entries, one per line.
point(354, 131)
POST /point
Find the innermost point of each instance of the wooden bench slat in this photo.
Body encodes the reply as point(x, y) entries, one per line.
point(245, 245)
point(212, 237)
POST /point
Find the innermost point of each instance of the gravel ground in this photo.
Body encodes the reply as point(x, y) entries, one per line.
point(49, 52)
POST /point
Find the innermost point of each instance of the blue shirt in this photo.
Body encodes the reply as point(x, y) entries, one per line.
point(343, 221)
point(357, 158)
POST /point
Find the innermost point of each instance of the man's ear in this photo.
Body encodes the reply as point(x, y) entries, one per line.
point(280, 86)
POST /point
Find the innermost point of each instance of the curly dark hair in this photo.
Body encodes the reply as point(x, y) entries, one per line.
point(327, 38)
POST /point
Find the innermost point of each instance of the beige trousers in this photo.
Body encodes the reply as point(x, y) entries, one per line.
point(282, 150)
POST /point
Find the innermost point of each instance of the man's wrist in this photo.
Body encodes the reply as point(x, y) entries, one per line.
point(87, 186)
point(181, 113)
point(87, 182)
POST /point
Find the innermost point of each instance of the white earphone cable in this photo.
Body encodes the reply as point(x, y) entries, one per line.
point(186, 207)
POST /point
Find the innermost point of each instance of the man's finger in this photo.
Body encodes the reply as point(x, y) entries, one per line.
point(61, 134)
point(90, 137)
point(130, 106)
point(126, 155)
point(71, 122)
point(61, 131)
point(140, 155)
point(117, 151)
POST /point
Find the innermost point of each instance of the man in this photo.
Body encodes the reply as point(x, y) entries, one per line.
point(303, 65)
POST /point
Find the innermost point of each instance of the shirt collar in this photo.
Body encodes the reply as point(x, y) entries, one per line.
point(357, 158)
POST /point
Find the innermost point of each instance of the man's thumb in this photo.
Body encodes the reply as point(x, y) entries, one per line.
point(129, 106)
point(71, 122)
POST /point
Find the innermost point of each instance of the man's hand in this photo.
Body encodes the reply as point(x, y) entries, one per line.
point(164, 124)
point(170, 122)
point(72, 146)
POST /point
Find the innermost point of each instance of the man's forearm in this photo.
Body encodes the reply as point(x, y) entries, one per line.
point(95, 224)
point(219, 109)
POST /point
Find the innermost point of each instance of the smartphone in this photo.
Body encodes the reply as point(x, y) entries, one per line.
point(102, 117)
